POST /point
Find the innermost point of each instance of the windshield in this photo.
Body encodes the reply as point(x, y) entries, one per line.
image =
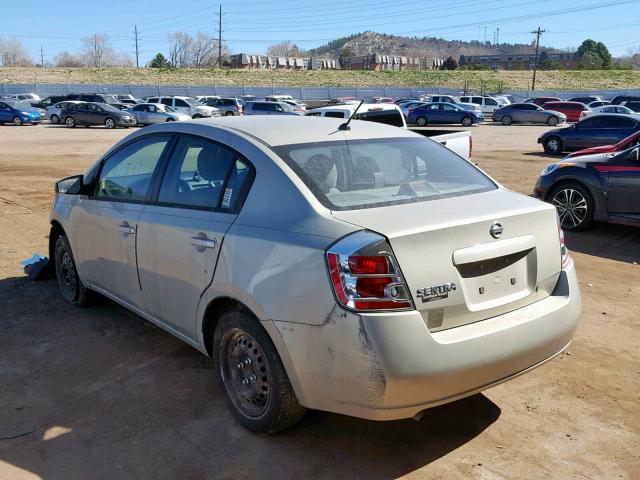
point(109, 99)
point(110, 108)
point(17, 104)
point(193, 102)
point(354, 174)
point(286, 106)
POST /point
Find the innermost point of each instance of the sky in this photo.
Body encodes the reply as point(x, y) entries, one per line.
point(250, 26)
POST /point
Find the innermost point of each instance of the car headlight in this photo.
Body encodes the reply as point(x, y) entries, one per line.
point(553, 167)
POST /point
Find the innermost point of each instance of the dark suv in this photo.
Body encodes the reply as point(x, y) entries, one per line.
point(98, 98)
point(617, 100)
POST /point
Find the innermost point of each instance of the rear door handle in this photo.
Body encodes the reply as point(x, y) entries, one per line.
point(204, 242)
point(126, 229)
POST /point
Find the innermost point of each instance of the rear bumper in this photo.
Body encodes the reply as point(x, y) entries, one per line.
point(390, 366)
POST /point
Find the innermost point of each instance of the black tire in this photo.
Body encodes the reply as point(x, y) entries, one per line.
point(55, 119)
point(171, 119)
point(575, 205)
point(196, 116)
point(17, 121)
point(229, 114)
point(70, 122)
point(71, 288)
point(250, 372)
point(506, 120)
point(467, 121)
point(422, 121)
point(553, 145)
point(552, 121)
point(110, 123)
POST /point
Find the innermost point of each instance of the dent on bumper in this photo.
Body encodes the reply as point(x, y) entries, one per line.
point(389, 366)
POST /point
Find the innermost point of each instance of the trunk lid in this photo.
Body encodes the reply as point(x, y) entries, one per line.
point(456, 271)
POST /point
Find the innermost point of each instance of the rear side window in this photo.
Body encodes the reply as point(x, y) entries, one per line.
point(618, 122)
point(152, 100)
point(355, 174)
point(181, 103)
point(126, 175)
point(389, 117)
point(167, 101)
point(334, 114)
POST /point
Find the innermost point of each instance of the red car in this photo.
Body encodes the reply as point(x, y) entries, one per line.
point(571, 109)
point(540, 101)
point(623, 144)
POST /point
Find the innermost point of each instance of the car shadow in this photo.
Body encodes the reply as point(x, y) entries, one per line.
point(607, 240)
point(101, 393)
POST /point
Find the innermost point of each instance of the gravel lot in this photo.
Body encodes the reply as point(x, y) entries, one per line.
point(100, 393)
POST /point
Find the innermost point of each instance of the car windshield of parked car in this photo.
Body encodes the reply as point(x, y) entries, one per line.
point(192, 102)
point(109, 99)
point(286, 107)
point(17, 104)
point(355, 174)
point(109, 108)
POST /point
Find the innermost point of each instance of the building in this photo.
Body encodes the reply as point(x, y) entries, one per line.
point(246, 61)
point(521, 61)
point(375, 61)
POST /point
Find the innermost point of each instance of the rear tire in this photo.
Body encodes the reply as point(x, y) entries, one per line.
point(229, 114)
point(110, 123)
point(70, 122)
point(422, 121)
point(171, 120)
point(575, 205)
point(55, 119)
point(69, 283)
point(553, 146)
point(506, 120)
point(17, 121)
point(552, 121)
point(467, 121)
point(249, 369)
point(196, 116)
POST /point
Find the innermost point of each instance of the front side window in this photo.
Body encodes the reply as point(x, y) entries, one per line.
point(126, 175)
point(181, 103)
point(196, 174)
point(354, 174)
point(334, 114)
point(167, 101)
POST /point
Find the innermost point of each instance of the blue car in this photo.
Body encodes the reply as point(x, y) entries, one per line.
point(18, 113)
point(442, 112)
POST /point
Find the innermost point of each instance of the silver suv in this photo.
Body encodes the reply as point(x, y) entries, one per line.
point(186, 105)
point(364, 270)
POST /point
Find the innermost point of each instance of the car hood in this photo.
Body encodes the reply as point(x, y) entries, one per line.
point(554, 112)
point(589, 152)
point(31, 111)
point(592, 158)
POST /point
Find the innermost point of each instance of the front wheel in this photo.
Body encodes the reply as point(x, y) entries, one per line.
point(17, 121)
point(196, 116)
point(553, 145)
point(467, 121)
point(229, 114)
point(552, 121)
point(506, 120)
point(69, 283)
point(70, 122)
point(171, 119)
point(55, 119)
point(258, 391)
point(574, 204)
point(110, 123)
point(421, 121)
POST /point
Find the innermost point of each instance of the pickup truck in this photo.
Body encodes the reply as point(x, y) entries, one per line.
point(458, 141)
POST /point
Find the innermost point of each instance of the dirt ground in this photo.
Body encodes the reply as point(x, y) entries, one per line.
point(102, 394)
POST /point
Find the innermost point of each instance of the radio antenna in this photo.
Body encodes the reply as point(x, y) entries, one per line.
point(345, 126)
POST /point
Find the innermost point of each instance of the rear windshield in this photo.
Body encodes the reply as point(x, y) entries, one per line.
point(355, 174)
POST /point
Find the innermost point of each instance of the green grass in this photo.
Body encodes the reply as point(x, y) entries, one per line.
point(475, 80)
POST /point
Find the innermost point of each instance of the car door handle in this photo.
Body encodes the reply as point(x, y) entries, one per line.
point(126, 229)
point(204, 242)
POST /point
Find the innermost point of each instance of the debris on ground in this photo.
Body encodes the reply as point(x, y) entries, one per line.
point(36, 267)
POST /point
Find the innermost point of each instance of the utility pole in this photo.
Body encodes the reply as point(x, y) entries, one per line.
point(537, 33)
point(41, 57)
point(498, 36)
point(220, 36)
point(485, 34)
point(135, 29)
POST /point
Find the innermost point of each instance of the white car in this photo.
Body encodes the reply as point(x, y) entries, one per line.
point(30, 98)
point(607, 109)
point(454, 100)
point(366, 271)
point(487, 104)
point(52, 112)
point(207, 98)
point(388, 113)
point(187, 105)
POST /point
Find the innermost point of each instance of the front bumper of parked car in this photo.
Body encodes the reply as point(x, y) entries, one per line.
point(388, 366)
point(128, 122)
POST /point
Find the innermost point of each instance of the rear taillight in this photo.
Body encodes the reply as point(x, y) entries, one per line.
point(564, 251)
point(365, 275)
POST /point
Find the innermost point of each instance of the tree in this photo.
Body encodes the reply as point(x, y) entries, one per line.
point(66, 59)
point(284, 49)
point(634, 56)
point(180, 49)
point(605, 56)
point(347, 52)
point(160, 61)
point(449, 64)
point(590, 61)
point(204, 49)
point(96, 50)
point(588, 46)
point(13, 53)
point(594, 56)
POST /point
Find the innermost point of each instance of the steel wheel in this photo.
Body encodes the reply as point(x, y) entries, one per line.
point(421, 121)
point(17, 121)
point(70, 122)
point(245, 372)
point(67, 277)
point(572, 206)
point(467, 121)
point(553, 146)
point(109, 123)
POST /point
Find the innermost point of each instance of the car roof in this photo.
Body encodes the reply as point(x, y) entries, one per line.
point(366, 107)
point(284, 130)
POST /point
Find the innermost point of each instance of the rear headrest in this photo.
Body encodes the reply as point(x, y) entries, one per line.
point(213, 163)
point(322, 170)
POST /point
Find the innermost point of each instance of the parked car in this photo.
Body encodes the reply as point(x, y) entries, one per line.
point(619, 99)
point(630, 141)
point(52, 113)
point(527, 113)
point(598, 103)
point(586, 99)
point(98, 98)
point(187, 105)
point(152, 113)
point(297, 107)
point(129, 102)
point(31, 98)
point(632, 105)
point(269, 108)
point(205, 99)
point(227, 106)
point(295, 104)
point(602, 187)
point(48, 101)
point(443, 113)
point(90, 114)
point(128, 98)
point(18, 113)
point(388, 113)
point(404, 107)
point(442, 99)
point(606, 109)
point(486, 104)
point(571, 110)
point(306, 259)
point(540, 101)
point(603, 129)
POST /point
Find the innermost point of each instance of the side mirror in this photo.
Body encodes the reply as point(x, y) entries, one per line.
point(70, 185)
